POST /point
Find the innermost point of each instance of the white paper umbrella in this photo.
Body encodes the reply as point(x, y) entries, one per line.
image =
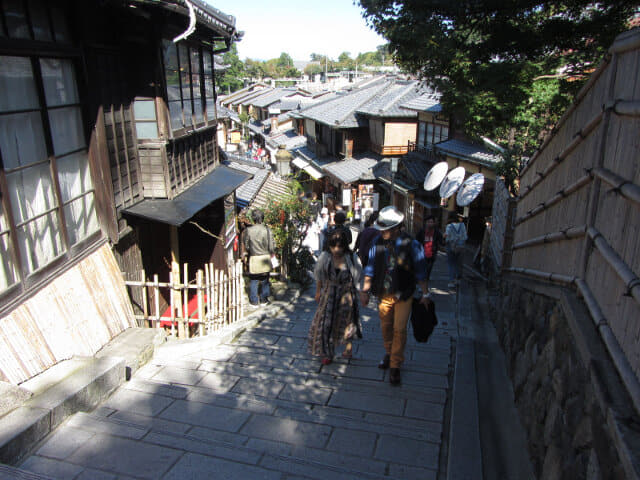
point(435, 176)
point(451, 182)
point(470, 189)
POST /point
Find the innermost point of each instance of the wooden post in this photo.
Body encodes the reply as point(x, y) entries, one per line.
point(183, 326)
point(156, 291)
point(145, 298)
point(207, 286)
point(171, 297)
point(241, 291)
point(176, 298)
point(200, 293)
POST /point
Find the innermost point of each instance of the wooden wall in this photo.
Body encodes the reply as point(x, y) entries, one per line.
point(578, 213)
point(190, 158)
point(76, 314)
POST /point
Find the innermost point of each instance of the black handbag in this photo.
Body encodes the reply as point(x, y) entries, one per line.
point(423, 320)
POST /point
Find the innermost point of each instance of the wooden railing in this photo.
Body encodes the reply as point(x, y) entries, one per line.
point(215, 300)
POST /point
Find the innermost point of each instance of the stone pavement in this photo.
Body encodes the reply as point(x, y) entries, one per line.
point(262, 407)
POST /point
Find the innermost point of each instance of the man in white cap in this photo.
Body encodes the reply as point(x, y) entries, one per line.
point(396, 263)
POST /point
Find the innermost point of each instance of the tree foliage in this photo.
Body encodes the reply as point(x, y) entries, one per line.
point(230, 80)
point(289, 218)
point(505, 69)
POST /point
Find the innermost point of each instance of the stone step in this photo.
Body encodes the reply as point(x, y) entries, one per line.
point(259, 458)
point(12, 473)
point(414, 419)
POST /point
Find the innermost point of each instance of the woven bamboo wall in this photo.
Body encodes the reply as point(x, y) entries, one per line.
point(578, 213)
point(76, 314)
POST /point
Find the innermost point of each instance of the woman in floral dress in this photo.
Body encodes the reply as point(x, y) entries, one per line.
point(337, 319)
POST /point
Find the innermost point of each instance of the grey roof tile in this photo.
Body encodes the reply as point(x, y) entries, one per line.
point(246, 192)
point(352, 169)
point(427, 102)
point(387, 103)
point(274, 187)
point(468, 151)
point(340, 111)
point(271, 97)
point(288, 138)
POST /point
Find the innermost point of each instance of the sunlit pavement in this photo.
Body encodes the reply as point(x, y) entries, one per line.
point(262, 407)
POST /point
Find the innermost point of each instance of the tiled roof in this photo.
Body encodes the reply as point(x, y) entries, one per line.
point(211, 18)
point(468, 151)
point(248, 190)
point(225, 99)
point(417, 165)
point(387, 103)
point(274, 187)
point(224, 112)
point(309, 155)
point(340, 111)
point(271, 97)
point(248, 99)
point(287, 138)
point(351, 169)
point(427, 102)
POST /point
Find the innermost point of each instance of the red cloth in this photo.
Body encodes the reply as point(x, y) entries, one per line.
point(192, 310)
point(428, 244)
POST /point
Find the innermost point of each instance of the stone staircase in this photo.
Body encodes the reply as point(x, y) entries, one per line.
point(261, 407)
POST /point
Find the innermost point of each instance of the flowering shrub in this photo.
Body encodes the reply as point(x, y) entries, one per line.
point(289, 219)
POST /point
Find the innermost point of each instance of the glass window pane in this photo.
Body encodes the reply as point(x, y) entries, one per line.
point(195, 61)
point(170, 55)
point(183, 57)
point(197, 106)
point(66, 129)
point(210, 109)
point(22, 139)
point(30, 192)
point(429, 138)
point(146, 129)
point(17, 86)
point(16, 19)
point(59, 81)
point(145, 109)
point(60, 27)
point(39, 20)
point(80, 217)
point(173, 86)
point(445, 133)
point(186, 83)
point(175, 111)
point(206, 62)
point(40, 242)
point(73, 175)
point(8, 272)
point(208, 86)
point(421, 129)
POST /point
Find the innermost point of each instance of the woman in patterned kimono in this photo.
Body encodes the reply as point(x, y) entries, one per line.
point(337, 319)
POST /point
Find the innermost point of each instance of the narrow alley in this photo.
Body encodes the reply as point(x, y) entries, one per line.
point(262, 407)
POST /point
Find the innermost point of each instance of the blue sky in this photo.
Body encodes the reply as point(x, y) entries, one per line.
point(327, 27)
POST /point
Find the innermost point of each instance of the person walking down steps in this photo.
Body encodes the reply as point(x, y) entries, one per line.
point(337, 318)
point(396, 264)
point(455, 237)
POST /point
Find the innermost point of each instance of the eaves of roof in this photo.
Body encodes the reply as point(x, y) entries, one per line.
point(468, 152)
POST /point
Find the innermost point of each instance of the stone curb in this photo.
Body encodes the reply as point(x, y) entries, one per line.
point(85, 387)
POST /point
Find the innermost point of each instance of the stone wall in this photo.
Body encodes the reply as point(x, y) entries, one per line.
point(559, 405)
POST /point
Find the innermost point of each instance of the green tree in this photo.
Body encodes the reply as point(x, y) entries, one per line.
point(345, 61)
point(285, 61)
point(231, 79)
point(288, 218)
point(313, 69)
point(497, 62)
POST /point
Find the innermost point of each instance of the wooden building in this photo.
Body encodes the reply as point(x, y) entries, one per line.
point(107, 148)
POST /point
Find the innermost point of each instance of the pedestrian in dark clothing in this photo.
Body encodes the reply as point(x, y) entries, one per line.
point(396, 264)
point(431, 239)
point(259, 248)
point(339, 218)
point(366, 236)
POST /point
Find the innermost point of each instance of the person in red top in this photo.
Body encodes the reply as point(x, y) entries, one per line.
point(431, 239)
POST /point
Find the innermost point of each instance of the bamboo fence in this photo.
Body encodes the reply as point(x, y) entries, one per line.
point(215, 299)
point(578, 212)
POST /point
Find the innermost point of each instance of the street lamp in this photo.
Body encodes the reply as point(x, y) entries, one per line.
point(394, 170)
